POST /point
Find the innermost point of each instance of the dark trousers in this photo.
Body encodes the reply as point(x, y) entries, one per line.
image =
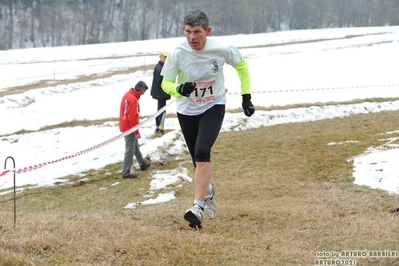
point(160, 119)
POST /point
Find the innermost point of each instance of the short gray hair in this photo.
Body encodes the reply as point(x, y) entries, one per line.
point(196, 18)
point(141, 86)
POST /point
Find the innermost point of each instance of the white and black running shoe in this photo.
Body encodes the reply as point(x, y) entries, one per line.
point(209, 205)
point(194, 216)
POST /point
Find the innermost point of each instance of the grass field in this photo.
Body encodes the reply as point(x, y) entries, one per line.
point(284, 196)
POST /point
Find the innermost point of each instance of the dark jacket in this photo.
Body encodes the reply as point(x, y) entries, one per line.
point(156, 90)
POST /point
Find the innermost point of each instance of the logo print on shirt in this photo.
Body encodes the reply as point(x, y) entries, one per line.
point(214, 64)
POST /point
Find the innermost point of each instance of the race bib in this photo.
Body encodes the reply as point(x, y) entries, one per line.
point(203, 92)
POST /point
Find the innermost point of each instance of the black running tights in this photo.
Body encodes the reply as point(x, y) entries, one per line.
point(200, 132)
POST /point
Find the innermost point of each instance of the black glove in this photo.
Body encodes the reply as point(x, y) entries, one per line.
point(186, 89)
point(249, 108)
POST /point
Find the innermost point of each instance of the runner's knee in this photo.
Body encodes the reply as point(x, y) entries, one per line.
point(202, 154)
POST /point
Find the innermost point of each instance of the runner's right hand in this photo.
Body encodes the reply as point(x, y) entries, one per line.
point(186, 89)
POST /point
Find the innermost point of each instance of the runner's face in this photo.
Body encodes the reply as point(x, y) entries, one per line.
point(196, 36)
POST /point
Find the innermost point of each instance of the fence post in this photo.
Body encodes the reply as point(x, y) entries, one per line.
point(15, 203)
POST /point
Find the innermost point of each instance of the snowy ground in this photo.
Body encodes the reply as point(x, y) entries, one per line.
point(291, 67)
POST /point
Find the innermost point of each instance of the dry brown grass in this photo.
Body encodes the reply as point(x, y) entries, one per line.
point(282, 195)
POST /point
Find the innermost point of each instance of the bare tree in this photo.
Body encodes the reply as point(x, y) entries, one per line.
point(7, 16)
point(33, 23)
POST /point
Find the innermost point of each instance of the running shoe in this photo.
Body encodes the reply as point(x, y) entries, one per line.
point(194, 216)
point(210, 208)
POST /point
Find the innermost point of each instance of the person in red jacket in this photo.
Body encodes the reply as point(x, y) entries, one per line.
point(128, 118)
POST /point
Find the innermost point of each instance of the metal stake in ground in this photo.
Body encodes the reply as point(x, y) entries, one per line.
point(15, 203)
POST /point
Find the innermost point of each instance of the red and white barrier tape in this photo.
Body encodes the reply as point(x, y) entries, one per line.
point(37, 166)
point(127, 132)
point(321, 89)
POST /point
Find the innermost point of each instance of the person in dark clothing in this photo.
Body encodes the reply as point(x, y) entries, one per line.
point(158, 94)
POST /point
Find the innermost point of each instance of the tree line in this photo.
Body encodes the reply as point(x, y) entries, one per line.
point(43, 23)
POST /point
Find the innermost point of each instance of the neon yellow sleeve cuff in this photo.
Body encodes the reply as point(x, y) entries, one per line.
point(243, 75)
point(170, 88)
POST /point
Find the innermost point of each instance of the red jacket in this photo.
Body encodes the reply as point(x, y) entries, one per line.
point(129, 111)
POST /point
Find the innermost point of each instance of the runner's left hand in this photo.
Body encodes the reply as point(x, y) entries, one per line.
point(249, 108)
